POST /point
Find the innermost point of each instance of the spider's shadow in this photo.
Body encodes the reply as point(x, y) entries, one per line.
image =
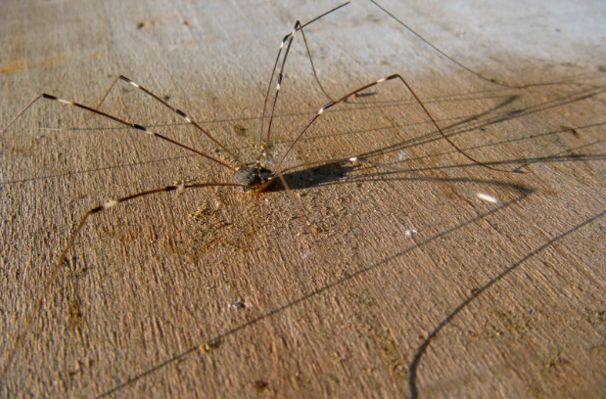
point(336, 171)
point(326, 173)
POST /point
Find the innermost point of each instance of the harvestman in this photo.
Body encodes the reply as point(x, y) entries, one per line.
point(256, 176)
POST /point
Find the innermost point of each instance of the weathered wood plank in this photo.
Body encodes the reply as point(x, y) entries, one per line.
point(387, 277)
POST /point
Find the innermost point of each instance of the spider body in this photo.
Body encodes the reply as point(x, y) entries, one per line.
point(254, 177)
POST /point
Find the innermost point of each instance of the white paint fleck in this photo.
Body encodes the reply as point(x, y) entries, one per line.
point(110, 204)
point(402, 155)
point(488, 198)
point(353, 159)
point(410, 232)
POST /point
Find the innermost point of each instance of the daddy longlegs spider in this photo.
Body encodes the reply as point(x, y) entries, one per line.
point(255, 176)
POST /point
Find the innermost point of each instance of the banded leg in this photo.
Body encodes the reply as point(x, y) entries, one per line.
point(353, 93)
point(287, 40)
point(54, 274)
point(121, 121)
point(177, 111)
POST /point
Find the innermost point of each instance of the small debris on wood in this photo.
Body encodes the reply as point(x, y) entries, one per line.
point(144, 24)
point(239, 129)
point(572, 130)
point(261, 386)
point(238, 305)
point(208, 347)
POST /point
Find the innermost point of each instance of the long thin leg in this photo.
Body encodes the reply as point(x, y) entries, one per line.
point(54, 274)
point(421, 104)
point(298, 28)
point(495, 81)
point(10, 123)
point(277, 93)
point(287, 40)
point(123, 122)
point(106, 93)
point(313, 67)
point(177, 111)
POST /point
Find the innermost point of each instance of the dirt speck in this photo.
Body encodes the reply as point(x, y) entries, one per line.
point(239, 130)
point(209, 346)
point(555, 361)
point(261, 386)
point(238, 305)
point(572, 130)
point(144, 24)
point(75, 315)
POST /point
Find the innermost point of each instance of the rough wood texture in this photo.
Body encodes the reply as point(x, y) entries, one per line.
point(485, 300)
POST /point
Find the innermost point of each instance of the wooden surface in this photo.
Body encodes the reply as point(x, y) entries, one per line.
point(485, 300)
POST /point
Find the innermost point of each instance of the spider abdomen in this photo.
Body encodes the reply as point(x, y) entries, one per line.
point(254, 177)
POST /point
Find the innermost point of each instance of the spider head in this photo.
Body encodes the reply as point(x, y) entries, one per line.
point(254, 177)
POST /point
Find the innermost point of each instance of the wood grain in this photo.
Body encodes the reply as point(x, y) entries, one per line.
point(387, 277)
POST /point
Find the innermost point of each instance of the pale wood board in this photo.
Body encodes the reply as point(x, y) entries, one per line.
point(485, 300)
